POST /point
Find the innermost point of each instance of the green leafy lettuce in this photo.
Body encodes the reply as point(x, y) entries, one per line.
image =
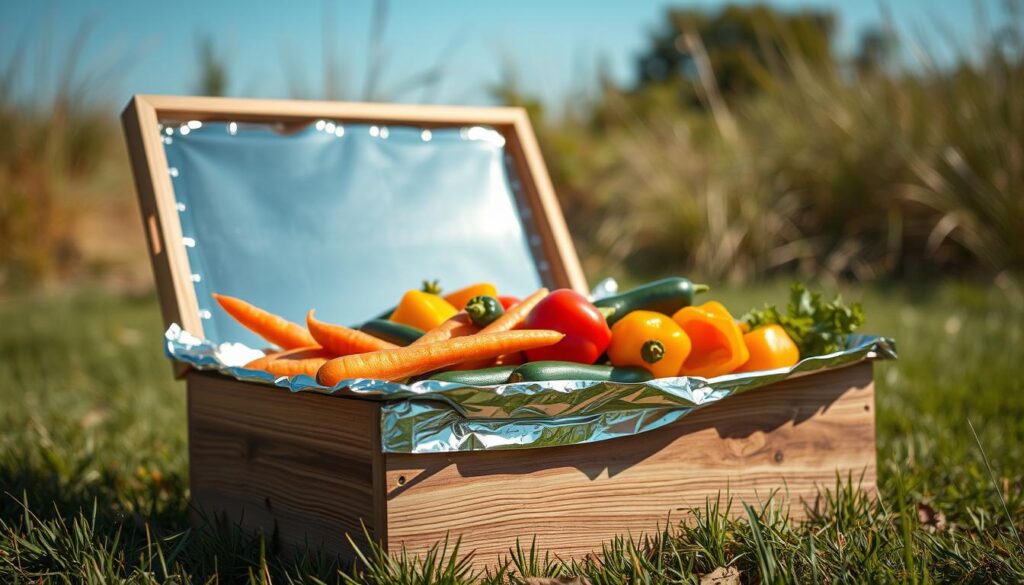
point(817, 327)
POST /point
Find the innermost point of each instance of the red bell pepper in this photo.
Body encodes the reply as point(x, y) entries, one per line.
point(586, 332)
point(507, 301)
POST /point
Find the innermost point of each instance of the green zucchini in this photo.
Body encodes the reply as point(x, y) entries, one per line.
point(483, 310)
point(552, 370)
point(481, 377)
point(396, 333)
point(667, 296)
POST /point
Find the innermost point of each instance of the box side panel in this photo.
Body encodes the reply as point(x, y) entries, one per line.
point(300, 467)
point(787, 439)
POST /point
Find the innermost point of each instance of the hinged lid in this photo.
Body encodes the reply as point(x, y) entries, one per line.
point(338, 206)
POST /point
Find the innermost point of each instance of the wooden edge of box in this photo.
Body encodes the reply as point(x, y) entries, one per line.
point(171, 271)
point(269, 110)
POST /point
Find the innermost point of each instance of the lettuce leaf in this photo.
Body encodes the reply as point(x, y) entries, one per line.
point(817, 327)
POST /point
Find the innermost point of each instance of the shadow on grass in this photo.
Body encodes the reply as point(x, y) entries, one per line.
point(106, 539)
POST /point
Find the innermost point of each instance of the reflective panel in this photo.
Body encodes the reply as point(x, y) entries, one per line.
point(343, 217)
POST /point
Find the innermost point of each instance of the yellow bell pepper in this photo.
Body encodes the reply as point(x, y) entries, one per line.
point(718, 347)
point(770, 347)
point(459, 298)
point(422, 310)
point(649, 340)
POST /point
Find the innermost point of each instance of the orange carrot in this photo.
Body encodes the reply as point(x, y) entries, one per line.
point(304, 360)
point(508, 359)
point(457, 326)
point(275, 329)
point(398, 364)
point(516, 314)
point(342, 340)
point(513, 317)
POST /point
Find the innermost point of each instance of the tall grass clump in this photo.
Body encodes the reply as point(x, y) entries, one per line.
point(829, 169)
point(59, 147)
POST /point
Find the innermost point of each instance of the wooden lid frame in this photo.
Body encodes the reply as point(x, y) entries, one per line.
point(144, 114)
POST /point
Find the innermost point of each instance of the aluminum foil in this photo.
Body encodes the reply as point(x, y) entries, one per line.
point(441, 417)
point(338, 216)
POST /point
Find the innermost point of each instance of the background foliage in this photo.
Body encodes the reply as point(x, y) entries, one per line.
point(746, 148)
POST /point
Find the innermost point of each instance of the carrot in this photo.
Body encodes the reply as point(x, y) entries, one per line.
point(342, 340)
point(507, 359)
point(516, 314)
point(513, 317)
point(398, 364)
point(457, 326)
point(275, 329)
point(304, 360)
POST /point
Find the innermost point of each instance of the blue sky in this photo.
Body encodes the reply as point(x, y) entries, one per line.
point(278, 49)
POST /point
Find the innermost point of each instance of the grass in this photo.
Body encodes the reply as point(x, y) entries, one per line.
point(94, 471)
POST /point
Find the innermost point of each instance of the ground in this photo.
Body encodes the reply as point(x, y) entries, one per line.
point(94, 474)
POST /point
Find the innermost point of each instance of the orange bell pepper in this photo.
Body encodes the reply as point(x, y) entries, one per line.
point(459, 298)
point(422, 310)
point(718, 347)
point(770, 347)
point(649, 340)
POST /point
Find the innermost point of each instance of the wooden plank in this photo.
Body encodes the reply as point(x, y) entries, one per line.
point(303, 468)
point(171, 270)
point(793, 436)
point(184, 108)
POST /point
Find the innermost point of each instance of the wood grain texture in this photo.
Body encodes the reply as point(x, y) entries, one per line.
point(171, 270)
point(266, 110)
point(303, 468)
point(793, 437)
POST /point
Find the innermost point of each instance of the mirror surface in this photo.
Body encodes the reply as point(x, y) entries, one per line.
point(344, 218)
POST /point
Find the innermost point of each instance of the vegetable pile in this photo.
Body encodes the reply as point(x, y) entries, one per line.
point(475, 336)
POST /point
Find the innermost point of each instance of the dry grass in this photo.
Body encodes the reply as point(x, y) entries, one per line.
point(828, 173)
point(63, 175)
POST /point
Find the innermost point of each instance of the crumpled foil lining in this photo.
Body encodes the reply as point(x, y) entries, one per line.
point(441, 417)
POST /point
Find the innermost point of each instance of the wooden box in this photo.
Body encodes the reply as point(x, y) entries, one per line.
point(308, 468)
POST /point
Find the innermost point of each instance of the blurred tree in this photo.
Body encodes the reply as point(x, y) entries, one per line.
point(876, 51)
point(213, 71)
point(744, 46)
